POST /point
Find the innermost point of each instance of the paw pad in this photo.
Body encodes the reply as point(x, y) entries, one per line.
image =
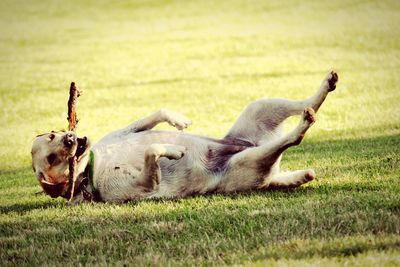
point(309, 115)
point(309, 175)
point(332, 81)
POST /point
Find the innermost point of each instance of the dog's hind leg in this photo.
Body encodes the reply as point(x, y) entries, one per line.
point(248, 169)
point(262, 120)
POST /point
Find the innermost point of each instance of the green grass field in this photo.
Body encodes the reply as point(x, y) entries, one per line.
point(207, 60)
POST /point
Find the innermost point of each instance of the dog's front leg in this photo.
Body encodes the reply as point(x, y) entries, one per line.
point(175, 119)
point(150, 176)
point(163, 115)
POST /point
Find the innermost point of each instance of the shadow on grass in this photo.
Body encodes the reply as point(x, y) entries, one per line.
point(361, 147)
point(235, 76)
point(27, 207)
point(260, 75)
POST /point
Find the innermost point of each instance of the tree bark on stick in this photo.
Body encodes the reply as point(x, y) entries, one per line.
point(72, 118)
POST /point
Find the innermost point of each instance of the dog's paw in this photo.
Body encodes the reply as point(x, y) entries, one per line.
point(176, 119)
point(332, 78)
point(309, 175)
point(309, 115)
point(174, 151)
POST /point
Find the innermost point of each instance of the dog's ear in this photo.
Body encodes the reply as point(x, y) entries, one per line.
point(54, 190)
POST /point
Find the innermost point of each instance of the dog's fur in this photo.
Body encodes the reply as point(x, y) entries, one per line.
point(137, 163)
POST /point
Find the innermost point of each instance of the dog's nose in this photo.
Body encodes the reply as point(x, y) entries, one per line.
point(69, 140)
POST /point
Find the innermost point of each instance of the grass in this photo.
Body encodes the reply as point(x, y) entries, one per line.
point(206, 59)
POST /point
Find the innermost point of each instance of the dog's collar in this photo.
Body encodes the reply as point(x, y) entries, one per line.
point(90, 167)
point(94, 195)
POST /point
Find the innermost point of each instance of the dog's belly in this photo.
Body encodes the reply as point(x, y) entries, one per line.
point(198, 172)
point(130, 149)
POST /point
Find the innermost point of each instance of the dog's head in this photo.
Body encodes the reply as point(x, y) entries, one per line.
point(50, 155)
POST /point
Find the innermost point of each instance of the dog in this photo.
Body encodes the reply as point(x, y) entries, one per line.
point(136, 162)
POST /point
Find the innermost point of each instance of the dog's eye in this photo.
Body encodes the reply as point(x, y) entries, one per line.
point(51, 136)
point(51, 158)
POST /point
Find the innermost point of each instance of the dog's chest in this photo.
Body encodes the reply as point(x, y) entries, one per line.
point(118, 157)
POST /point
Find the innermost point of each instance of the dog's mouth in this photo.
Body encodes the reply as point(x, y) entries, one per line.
point(82, 145)
point(54, 190)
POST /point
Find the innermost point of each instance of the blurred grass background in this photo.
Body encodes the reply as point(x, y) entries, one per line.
point(207, 60)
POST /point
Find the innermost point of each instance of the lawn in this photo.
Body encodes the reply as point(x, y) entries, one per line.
point(207, 60)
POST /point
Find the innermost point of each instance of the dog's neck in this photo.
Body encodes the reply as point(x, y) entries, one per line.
point(84, 187)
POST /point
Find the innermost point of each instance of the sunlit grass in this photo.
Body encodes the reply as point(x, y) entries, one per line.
point(207, 60)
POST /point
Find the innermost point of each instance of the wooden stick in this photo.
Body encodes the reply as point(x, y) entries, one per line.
point(72, 118)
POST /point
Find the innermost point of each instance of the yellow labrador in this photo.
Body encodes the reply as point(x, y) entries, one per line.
point(136, 162)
